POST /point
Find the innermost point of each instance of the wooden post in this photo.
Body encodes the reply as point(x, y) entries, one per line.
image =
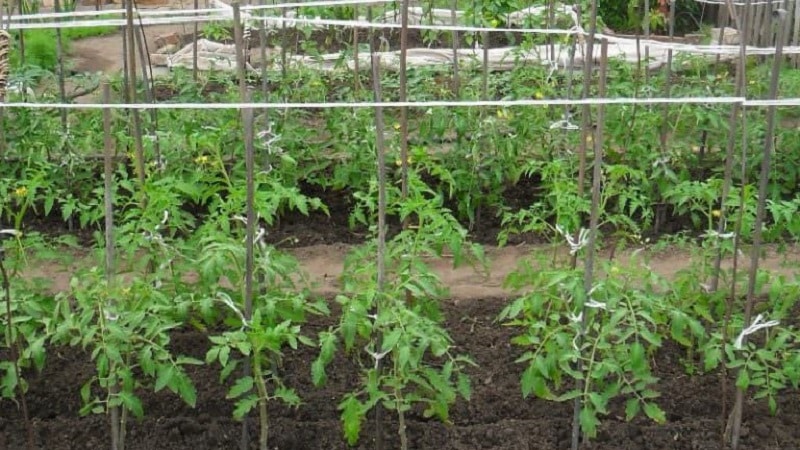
point(130, 57)
point(763, 187)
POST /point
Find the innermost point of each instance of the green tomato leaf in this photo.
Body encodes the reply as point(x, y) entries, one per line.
point(743, 380)
point(655, 413)
point(244, 406)
point(165, 374)
point(132, 403)
point(353, 412)
point(632, 407)
point(240, 387)
point(589, 421)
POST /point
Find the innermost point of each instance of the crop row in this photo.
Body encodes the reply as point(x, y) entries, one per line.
point(181, 210)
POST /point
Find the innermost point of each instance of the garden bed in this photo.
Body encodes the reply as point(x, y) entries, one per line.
point(497, 417)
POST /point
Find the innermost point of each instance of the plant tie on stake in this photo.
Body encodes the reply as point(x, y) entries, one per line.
point(268, 140)
point(755, 326)
point(565, 123)
point(377, 356)
point(574, 245)
point(260, 235)
point(227, 301)
point(7, 233)
point(155, 236)
point(717, 236)
point(578, 319)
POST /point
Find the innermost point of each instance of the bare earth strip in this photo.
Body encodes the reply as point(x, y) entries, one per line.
point(323, 265)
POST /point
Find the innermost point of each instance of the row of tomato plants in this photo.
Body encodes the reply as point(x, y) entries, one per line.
point(125, 323)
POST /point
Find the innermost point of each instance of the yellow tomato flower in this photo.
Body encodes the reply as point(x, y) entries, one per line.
point(21, 192)
point(201, 160)
point(399, 162)
point(504, 114)
point(538, 95)
point(396, 126)
point(716, 213)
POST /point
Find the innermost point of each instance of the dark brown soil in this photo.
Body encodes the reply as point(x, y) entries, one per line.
point(496, 418)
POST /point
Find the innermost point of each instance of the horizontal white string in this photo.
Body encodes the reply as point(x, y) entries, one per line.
point(314, 3)
point(65, 15)
point(118, 22)
point(740, 3)
point(412, 104)
point(225, 15)
point(779, 102)
point(177, 12)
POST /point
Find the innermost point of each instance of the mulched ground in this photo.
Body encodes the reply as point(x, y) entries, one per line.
point(496, 418)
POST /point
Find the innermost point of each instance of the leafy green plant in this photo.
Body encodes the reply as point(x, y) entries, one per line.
point(278, 313)
point(767, 368)
point(218, 31)
point(622, 328)
point(125, 327)
point(399, 326)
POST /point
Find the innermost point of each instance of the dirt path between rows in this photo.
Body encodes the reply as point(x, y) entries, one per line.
point(104, 53)
point(323, 265)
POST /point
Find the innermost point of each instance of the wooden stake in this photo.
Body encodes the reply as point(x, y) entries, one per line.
point(195, 36)
point(247, 121)
point(456, 87)
point(380, 148)
point(585, 133)
point(131, 89)
point(763, 186)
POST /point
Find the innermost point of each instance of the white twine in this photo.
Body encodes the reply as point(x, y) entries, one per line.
point(226, 299)
point(754, 327)
point(754, 3)
point(177, 12)
point(377, 356)
point(412, 104)
point(11, 232)
point(225, 12)
point(565, 123)
point(575, 245)
point(716, 235)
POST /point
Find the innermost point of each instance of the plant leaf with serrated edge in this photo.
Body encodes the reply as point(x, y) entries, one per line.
point(632, 407)
point(638, 360)
point(743, 380)
point(244, 406)
point(463, 386)
point(712, 358)
point(212, 354)
point(185, 389)
point(165, 374)
point(132, 403)
point(391, 339)
point(289, 396)
point(352, 416)
point(654, 412)
point(589, 422)
point(318, 375)
point(240, 387)
point(533, 383)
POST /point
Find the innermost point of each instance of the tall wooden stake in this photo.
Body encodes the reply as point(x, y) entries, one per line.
point(131, 89)
point(403, 96)
point(5, 43)
point(247, 121)
point(763, 185)
point(380, 148)
point(195, 36)
point(594, 218)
